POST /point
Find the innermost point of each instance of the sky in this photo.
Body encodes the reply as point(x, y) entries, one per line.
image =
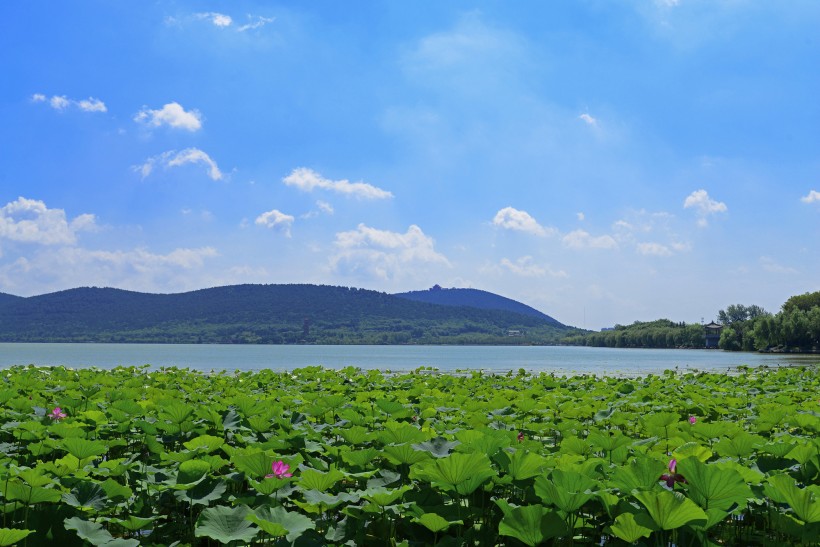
point(604, 162)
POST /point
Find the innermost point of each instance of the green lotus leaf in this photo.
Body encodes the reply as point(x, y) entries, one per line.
point(95, 534)
point(661, 420)
point(576, 445)
point(627, 528)
point(532, 524)
point(10, 536)
point(355, 435)
point(205, 443)
point(35, 477)
point(15, 489)
point(115, 491)
point(279, 522)
point(404, 453)
point(255, 464)
point(361, 458)
point(692, 450)
point(86, 495)
point(488, 441)
point(129, 407)
point(435, 522)
point(398, 433)
point(382, 496)
point(641, 474)
point(175, 412)
point(393, 408)
point(805, 502)
point(438, 447)
point(460, 472)
point(203, 493)
point(133, 523)
point(192, 471)
point(608, 443)
point(567, 490)
point(83, 448)
point(311, 479)
point(670, 510)
point(739, 446)
point(521, 464)
point(803, 453)
point(713, 488)
point(226, 524)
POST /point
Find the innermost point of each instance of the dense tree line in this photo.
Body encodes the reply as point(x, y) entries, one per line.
point(795, 328)
point(662, 333)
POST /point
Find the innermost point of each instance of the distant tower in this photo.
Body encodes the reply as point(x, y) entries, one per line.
point(711, 334)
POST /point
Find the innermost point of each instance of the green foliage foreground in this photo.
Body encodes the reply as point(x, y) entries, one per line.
point(134, 456)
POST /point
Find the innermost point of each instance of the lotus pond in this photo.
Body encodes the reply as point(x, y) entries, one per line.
point(139, 456)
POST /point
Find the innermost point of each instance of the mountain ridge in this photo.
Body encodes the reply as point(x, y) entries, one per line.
point(272, 314)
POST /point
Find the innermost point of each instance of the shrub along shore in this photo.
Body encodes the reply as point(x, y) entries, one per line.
point(141, 456)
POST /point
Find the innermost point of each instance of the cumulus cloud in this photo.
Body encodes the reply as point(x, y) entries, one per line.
point(307, 180)
point(172, 115)
point(61, 103)
point(514, 219)
point(703, 205)
point(812, 197)
point(382, 253)
point(276, 220)
point(172, 158)
point(218, 19)
point(581, 239)
point(30, 221)
point(525, 267)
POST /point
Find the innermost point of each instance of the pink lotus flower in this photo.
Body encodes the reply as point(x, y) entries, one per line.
point(692, 420)
point(280, 470)
point(671, 478)
point(57, 414)
point(520, 436)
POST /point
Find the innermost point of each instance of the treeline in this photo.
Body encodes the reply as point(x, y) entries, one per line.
point(649, 334)
point(795, 328)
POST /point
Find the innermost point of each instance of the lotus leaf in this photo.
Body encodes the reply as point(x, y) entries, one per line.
point(458, 472)
point(226, 524)
point(671, 510)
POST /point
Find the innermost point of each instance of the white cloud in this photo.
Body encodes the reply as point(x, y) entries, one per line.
point(255, 22)
point(654, 249)
point(277, 220)
point(589, 120)
point(61, 103)
point(703, 205)
point(172, 158)
point(171, 114)
point(525, 267)
point(580, 216)
point(382, 253)
point(30, 221)
point(218, 19)
point(325, 207)
point(812, 197)
point(307, 180)
point(581, 239)
point(770, 265)
point(514, 219)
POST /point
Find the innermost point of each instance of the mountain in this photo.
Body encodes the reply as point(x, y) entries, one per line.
point(271, 314)
point(7, 298)
point(474, 298)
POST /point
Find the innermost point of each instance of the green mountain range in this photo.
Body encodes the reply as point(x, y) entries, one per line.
point(274, 314)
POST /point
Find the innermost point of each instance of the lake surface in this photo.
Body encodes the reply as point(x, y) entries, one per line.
point(560, 359)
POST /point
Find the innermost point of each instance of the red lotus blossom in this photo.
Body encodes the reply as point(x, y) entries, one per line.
point(520, 436)
point(57, 414)
point(692, 420)
point(671, 478)
point(280, 470)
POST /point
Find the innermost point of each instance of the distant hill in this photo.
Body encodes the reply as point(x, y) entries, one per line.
point(271, 314)
point(6, 298)
point(474, 298)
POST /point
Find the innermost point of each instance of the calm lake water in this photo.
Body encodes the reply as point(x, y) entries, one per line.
point(560, 359)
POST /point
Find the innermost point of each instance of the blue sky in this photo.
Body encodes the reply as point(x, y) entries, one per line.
point(604, 162)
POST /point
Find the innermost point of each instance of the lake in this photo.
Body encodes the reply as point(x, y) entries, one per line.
point(559, 359)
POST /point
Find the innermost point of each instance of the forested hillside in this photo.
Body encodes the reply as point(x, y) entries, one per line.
point(649, 334)
point(273, 314)
point(474, 298)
